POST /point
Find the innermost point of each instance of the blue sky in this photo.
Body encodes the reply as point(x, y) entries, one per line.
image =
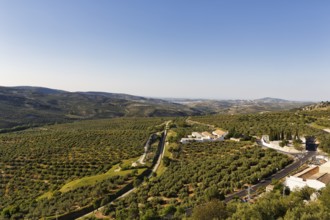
point(175, 48)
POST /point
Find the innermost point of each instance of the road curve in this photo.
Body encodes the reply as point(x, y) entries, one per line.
point(160, 156)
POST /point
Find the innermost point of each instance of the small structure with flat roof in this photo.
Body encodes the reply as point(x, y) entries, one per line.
point(316, 177)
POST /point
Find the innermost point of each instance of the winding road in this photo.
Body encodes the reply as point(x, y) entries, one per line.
point(300, 159)
point(154, 169)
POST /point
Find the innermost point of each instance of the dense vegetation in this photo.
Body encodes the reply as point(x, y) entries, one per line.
point(56, 169)
point(275, 124)
point(42, 160)
point(199, 175)
point(259, 124)
point(196, 173)
point(321, 120)
point(274, 205)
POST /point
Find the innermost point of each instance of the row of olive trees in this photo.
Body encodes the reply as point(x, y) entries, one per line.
point(200, 172)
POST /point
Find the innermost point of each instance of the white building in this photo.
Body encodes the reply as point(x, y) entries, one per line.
point(205, 136)
point(197, 135)
point(187, 140)
point(315, 177)
point(220, 134)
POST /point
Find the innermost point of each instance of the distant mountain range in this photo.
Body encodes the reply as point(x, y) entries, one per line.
point(241, 106)
point(36, 105)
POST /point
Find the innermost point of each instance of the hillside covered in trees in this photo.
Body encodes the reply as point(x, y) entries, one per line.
point(44, 170)
point(38, 106)
point(196, 173)
point(279, 125)
point(304, 204)
point(57, 169)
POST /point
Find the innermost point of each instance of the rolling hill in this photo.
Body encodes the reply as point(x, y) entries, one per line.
point(322, 106)
point(26, 106)
point(242, 106)
point(36, 105)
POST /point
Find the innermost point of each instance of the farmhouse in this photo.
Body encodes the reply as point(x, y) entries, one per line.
point(205, 136)
point(220, 134)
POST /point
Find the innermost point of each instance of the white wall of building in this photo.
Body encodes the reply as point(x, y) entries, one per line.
point(197, 135)
point(296, 183)
point(315, 184)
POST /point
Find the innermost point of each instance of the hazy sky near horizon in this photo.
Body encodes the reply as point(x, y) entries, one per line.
point(221, 49)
